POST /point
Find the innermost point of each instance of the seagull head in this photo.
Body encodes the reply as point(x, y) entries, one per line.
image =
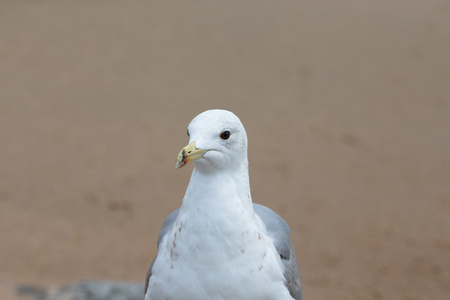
point(217, 140)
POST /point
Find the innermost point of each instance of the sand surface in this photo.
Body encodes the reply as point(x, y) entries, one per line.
point(346, 105)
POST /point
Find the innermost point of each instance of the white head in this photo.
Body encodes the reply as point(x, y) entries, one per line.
point(217, 141)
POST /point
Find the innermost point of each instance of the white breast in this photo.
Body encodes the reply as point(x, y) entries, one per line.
point(229, 258)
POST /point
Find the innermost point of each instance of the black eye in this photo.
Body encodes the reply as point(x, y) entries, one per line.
point(188, 132)
point(225, 135)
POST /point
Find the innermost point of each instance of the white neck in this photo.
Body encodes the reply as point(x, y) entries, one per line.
point(214, 198)
point(206, 188)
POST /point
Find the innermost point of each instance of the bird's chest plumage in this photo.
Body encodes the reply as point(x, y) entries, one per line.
point(219, 260)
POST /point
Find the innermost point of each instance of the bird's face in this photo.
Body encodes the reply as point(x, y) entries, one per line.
point(217, 140)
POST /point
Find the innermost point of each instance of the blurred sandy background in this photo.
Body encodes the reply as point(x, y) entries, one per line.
point(346, 104)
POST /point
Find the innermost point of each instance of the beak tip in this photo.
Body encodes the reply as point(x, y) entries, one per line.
point(181, 163)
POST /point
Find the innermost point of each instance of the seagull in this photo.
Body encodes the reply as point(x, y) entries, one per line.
point(218, 244)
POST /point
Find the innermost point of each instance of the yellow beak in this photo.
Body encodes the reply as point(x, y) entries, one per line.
point(188, 153)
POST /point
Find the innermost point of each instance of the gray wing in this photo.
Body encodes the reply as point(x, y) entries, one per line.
point(167, 225)
point(278, 230)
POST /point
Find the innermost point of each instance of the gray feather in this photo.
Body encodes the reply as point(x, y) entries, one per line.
point(278, 231)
